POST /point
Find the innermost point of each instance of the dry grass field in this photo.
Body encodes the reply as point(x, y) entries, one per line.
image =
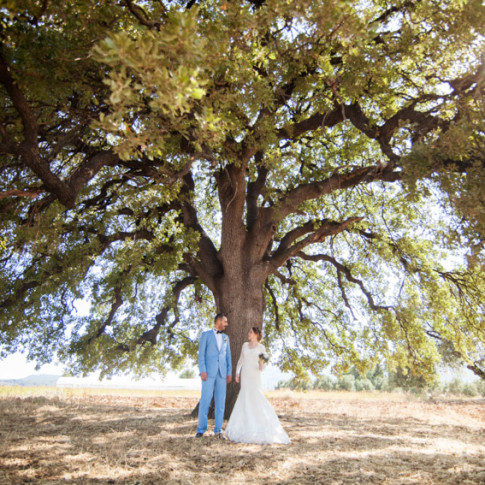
point(91, 437)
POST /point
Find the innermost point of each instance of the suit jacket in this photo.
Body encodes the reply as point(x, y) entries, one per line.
point(211, 359)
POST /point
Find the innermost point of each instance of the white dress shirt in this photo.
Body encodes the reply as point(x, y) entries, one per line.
point(218, 339)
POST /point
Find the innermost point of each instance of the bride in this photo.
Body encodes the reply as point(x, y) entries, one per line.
point(253, 420)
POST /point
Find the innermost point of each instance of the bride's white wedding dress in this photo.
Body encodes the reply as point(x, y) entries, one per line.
point(253, 419)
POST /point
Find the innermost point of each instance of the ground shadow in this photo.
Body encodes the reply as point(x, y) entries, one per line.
point(152, 441)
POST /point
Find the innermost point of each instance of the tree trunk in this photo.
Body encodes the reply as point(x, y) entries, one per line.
point(242, 300)
point(236, 273)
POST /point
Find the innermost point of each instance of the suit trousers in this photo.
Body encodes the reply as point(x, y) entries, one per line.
point(213, 386)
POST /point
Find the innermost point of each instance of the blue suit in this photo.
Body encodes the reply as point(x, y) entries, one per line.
point(217, 363)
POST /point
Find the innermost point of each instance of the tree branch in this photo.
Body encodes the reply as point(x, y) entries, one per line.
point(254, 191)
point(344, 293)
point(142, 16)
point(151, 335)
point(284, 279)
point(298, 232)
point(477, 370)
point(396, 8)
point(346, 272)
point(28, 148)
point(275, 305)
point(89, 168)
point(315, 121)
point(121, 235)
point(426, 121)
point(206, 265)
point(336, 181)
point(117, 302)
point(31, 193)
point(286, 251)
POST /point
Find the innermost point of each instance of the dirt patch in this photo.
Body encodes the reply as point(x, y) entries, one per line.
point(336, 439)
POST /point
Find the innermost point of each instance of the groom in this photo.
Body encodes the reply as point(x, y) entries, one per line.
point(216, 372)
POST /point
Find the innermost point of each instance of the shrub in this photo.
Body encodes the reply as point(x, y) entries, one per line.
point(324, 383)
point(346, 383)
point(470, 389)
point(363, 385)
point(480, 385)
point(295, 384)
point(188, 374)
point(455, 386)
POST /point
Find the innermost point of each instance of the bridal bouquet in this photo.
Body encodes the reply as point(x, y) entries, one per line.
point(264, 358)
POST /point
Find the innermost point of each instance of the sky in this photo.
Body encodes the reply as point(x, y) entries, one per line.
point(16, 367)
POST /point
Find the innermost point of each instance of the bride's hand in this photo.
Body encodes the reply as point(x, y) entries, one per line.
point(237, 379)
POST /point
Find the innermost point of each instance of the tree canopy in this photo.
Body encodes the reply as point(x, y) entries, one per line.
point(315, 167)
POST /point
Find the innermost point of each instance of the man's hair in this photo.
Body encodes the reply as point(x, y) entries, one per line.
point(218, 316)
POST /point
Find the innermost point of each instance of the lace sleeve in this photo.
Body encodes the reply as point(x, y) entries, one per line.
point(240, 361)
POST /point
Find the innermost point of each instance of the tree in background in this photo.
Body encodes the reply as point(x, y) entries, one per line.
point(380, 379)
point(312, 167)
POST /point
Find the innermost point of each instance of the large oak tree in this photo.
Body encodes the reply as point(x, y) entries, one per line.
point(313, 167)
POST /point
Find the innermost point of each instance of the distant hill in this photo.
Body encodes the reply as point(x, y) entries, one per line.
point(32, 380)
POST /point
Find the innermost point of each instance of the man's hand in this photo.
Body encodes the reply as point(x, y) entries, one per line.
point(203, 376)
point(229, 379)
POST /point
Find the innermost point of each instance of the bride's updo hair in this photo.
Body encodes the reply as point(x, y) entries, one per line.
point(258, 333)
